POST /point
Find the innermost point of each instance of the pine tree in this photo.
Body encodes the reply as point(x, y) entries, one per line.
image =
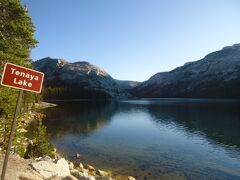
point(16, 30)
point(16, 41)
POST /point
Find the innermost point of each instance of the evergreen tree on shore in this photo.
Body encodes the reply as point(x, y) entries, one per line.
point(16, 41)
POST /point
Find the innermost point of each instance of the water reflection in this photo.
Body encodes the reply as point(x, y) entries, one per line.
point(152, 139)
point(78, 118)
point(219, 122)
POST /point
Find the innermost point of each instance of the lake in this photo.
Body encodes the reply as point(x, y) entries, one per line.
point(151, 138)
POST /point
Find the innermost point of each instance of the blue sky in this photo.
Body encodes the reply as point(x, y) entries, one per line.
point(133, 39)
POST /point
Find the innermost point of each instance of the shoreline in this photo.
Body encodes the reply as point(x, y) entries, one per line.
point(46, 167)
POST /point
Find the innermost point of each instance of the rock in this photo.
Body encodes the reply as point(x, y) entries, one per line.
point(63, 168)
point(90, 168)
point(74, 172)
point(71, 166)
point(46, 158)
point(84, 170)
point(46, 169)
point(102, 173)
point(77, 155)
point(131, 178)
point(78, 166)
point(81, 166)
point(82, 175)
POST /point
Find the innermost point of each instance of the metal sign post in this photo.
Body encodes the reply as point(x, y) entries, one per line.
point(13, 127)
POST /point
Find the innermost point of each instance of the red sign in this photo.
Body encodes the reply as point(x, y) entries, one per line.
point(22, 78)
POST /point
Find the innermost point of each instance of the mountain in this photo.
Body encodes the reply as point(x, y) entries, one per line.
point(65, 80)
point(217, 75)
point(127, 85)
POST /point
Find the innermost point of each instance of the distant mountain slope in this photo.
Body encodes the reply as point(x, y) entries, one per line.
point(64, 80)
point(127, 85)
point(217, 75)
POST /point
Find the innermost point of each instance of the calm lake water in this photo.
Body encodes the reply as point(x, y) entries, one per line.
point(151, 139)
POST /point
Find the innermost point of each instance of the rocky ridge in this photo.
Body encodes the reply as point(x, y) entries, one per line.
point(79, 79)
point(217, 75)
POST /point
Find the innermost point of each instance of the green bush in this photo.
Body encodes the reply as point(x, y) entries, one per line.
point(40, 144)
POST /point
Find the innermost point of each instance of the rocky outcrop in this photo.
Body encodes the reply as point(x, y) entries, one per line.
point(217, 75)
point(49, 169)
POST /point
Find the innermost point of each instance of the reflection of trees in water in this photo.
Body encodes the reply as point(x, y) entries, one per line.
point(217, 121)
point(78, 117)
